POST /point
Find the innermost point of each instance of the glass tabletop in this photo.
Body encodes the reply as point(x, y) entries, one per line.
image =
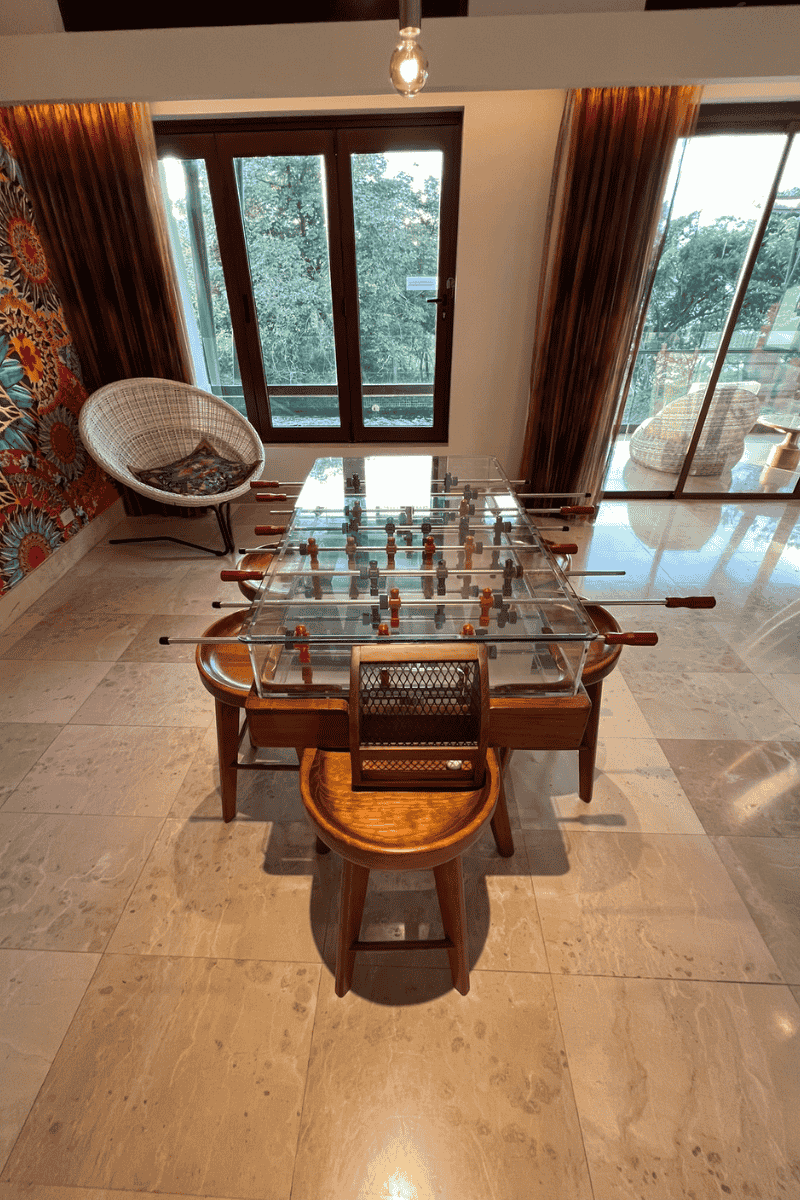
point(410, 549)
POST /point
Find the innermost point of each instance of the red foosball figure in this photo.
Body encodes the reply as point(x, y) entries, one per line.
point(486, 604)
point(394, 605)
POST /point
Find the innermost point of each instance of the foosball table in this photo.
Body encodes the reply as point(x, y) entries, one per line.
point(399, 550)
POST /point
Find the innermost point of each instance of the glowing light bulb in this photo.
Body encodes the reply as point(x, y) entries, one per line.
point(408, 66)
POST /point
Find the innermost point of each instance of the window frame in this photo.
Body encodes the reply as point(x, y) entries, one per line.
point(219, 141)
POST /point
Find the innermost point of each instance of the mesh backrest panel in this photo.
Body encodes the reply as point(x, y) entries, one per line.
point(420, 703)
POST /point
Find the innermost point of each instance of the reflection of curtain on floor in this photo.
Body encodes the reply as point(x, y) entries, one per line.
point(92, 175)
point(610, 174)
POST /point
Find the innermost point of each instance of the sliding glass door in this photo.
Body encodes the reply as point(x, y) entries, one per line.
point(714, 402)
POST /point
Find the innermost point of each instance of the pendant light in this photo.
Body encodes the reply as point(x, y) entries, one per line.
point(408, 67)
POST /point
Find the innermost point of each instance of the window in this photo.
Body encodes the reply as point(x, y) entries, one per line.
point(317, 270)
point(715, 389)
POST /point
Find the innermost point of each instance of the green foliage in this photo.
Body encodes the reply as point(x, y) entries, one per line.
point(283, 210)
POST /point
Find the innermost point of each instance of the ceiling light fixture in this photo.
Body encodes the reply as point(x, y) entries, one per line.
point(408, 67)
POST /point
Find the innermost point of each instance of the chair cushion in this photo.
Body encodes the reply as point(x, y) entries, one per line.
point(204, 472)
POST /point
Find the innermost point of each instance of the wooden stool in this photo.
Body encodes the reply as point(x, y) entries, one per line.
point(600, 661)
point(257, 560)
point(409, 795)
point(226, 672)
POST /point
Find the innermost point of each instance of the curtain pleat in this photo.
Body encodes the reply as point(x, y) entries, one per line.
point(612, 162)
point(92, 176)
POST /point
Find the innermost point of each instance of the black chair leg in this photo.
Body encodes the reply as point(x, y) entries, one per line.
point(223, 520)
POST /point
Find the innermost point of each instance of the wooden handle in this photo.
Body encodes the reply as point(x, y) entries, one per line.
point(236, 576)
point(262, 497)
point(264, 483)
point(562, 547)
point(577, 510)
point(631, 639)
point(267, 529)
point(690, 601)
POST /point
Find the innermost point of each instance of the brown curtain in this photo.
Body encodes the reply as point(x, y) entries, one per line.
point(610, 174)
point(92, 176)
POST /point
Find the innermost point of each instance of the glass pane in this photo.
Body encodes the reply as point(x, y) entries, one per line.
point(193, 236)
point(396, 206)
point(722, 186)
point(754, 419)
point(284, 212)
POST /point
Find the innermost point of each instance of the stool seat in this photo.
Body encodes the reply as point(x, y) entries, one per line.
point(393, 830)
point(600, 659)
point(225, 670)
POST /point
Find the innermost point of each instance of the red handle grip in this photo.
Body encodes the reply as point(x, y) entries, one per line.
point(631, 639)
point(266, 529)
point(236, 576)
point(262, 496)
point(691, 601)
point(263, 483)
point(562, 547)
point(578, 510)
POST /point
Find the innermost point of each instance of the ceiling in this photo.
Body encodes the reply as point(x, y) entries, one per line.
point(91, 15)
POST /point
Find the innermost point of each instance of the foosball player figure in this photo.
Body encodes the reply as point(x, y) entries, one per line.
point(313, 551)
point(508, 575)
point(350, 547)
point(353, 587)
point(304, 654)
point(428, 549)
point(441, 578)
point(391, 550)
point(486, 601)
point(468, 630)
point(469, 550)
point(394, 605)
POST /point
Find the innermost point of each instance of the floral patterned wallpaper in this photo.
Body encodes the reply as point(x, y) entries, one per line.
point(49, 486)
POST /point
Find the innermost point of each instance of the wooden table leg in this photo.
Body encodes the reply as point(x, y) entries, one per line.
point(587, 752)
point(227, 718)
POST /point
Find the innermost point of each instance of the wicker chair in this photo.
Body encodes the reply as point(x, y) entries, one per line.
point(138, 424)
point(661, 441)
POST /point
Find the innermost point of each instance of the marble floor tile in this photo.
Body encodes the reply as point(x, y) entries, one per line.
point(738, 787)
point(127, 771)
point(39, 993)
point(688, 641)
point(190, 1074)
point(65, 879)
point(47, 692)
point(77, 636)
point(766, 872)
point(243, 890)
point(260, 795)
point(11, 634)
point(785, 687)
point(20, 747)
point(137, 591)
point(620, 709)
point(145, 647)
point(653, 905)
point(139, 693)
point(701, 704)
point(635, 790)
point(445, 1096)
point(684, 1089)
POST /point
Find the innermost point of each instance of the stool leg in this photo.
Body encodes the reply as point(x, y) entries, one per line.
point(501, 826)
point(351, 910)
point(227, 718)
point(450, 890)
point(587, 751)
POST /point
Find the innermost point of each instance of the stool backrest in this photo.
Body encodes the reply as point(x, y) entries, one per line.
point(419, 716)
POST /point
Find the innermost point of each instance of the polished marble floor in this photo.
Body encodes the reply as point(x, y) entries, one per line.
point(168, 1017)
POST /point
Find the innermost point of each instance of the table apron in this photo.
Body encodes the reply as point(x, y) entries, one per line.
point(557, 723)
